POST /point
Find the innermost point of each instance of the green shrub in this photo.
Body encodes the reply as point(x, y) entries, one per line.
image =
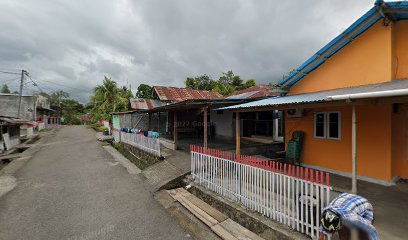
point(118, 146)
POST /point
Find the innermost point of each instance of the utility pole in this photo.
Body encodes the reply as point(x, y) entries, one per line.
point(20, 94)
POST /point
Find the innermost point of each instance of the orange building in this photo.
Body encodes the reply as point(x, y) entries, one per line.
point(362, 73)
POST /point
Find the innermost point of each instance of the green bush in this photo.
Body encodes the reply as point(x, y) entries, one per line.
point(118, 146)
point(95, 126)
point(101, 129)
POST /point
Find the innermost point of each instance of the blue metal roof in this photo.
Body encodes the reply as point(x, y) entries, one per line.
point(376, 13)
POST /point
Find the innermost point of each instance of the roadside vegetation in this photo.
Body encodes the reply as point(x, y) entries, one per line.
point(226, 84)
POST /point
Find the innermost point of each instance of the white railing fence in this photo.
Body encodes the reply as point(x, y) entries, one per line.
point(41, 126)
point(147, 144)
point(30, 131)
point(289, 194)
point(116, 135)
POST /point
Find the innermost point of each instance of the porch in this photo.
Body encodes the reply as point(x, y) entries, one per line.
point(266, 150)
point(356, 132)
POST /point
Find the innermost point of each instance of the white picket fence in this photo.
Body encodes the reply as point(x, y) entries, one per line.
point(288, 194)
point(147, 144)
point(116, 135)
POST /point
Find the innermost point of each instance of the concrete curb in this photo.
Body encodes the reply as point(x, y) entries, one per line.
point(118, 157)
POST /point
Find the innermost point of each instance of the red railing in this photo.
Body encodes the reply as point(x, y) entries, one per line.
point(307, 174)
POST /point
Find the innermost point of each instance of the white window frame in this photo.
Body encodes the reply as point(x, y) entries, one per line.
point(324, 125)
point(328, 126)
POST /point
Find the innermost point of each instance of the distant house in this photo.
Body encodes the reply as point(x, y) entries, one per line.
point(351, 100)
point(34, 108)
point(175, 94)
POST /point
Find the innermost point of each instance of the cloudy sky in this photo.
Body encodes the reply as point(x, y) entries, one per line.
point(71, 45)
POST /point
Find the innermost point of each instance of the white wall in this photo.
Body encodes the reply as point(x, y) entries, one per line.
point(224, 124)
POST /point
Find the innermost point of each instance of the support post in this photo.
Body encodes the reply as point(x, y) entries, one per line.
point(20, 93)
point(150, 122)
point(354, 150)
point(158, 122)
point(205, 127)
point(237, 134)
point(175, 130)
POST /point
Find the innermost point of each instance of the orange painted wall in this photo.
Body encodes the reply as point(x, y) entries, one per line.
point(373, 141)
point(366, 60)
point(400, 142)
point(401, 49)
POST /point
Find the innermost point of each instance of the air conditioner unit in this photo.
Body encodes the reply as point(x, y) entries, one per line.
point(295, 113)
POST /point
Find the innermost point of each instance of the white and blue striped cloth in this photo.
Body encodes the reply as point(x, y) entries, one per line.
point(355, 212)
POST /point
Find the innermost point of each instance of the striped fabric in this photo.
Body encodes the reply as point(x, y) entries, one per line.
point(355, 212)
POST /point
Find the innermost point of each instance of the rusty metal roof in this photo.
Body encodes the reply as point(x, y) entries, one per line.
point(145, 104)
point(181, 94)
point(259, 91)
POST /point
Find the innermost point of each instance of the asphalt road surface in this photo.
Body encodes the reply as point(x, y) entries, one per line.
point(73, 189)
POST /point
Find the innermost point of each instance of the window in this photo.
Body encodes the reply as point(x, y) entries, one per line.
point(320, 125)
point(327, 125)
point(334, 126)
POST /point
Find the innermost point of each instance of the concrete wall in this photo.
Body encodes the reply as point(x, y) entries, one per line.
point(224, 124)
point(400, 141)
point(400, 41)
point(366, 60)
point(43, 101)
point(9, 106)
point(373, 141)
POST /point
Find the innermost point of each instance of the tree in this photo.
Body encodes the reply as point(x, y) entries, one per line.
point(108, 98)
point(126, 93)
point(250, 83)
point(57, 97)
point(5, 89)
point(224, 89)
point(144, 91)
point(203, 82)
point(71, 109)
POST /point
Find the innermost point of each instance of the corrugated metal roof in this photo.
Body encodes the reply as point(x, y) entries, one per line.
point(145, 104)
point(259, 91)
point(392, 9)
point(13, 121)
point(322, 96)
point(181, 94)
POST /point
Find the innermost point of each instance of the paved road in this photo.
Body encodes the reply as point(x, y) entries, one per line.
point(73, 189)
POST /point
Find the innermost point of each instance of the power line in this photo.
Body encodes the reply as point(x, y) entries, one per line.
point(7, 72)
point(34, 83)
point(59, 84)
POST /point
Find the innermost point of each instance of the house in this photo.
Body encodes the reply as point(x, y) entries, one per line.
point(33, 108)
point(183, 115)
point(196, 121)
point(10, 132)
point(351, 100)
point(175, 94)
point(9, 106)
point(47, 114)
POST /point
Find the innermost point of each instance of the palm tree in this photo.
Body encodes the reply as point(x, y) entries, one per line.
point(107, 96)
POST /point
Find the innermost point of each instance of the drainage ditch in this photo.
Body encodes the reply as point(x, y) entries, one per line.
point(255, 222)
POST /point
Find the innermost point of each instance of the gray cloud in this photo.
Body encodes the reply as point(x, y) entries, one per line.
point(73, 44)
